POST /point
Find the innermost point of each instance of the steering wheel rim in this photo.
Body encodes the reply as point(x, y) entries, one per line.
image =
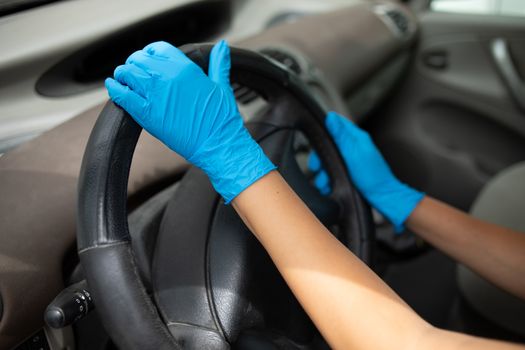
point(104, 243)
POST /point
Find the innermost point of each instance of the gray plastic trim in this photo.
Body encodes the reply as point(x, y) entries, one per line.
point(60, 339)
point(383, 10)
point(501, 54)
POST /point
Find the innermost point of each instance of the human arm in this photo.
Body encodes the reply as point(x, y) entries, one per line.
point(495, 252)
point(192, 113)
point(350, 305)
point(369, 172)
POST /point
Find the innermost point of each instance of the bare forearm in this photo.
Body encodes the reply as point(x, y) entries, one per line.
point(495, 252)
point(348, 303)
point(345, 299)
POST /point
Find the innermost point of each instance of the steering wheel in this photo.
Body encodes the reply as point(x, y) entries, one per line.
point(213, 285)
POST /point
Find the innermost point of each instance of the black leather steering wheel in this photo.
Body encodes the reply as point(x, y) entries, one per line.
point(213, 285)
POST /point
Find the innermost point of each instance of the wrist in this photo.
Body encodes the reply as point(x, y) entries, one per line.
point(233, 163)
point(396, 203)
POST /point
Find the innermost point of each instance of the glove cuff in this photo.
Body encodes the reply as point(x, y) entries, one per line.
point(234, 164)
point(397, 204)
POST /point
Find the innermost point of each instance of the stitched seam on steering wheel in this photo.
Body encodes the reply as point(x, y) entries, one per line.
point(209, 292)
point(104, 245)
point(185, 324)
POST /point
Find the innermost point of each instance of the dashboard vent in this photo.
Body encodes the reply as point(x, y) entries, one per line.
point(399, 20)
point(86, 69)
point(396, 20)
point(243, 94)
point(284, 58)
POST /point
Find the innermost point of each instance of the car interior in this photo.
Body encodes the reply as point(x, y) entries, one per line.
point(110, 240)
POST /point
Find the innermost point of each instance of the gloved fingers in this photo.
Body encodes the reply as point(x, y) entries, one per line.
point(337, 119)
point(140, 59)
point(220, 64)
point(134, 77)
point(335, 126)
point(344, 131)
point(314, 163)
point(165, 50)
point(336, 122)
point(146, 62)
point(158, 66)
point(322, 182)
point(122, 95)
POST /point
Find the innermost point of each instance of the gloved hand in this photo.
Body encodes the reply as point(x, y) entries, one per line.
point(369, 172)
point(192, 113)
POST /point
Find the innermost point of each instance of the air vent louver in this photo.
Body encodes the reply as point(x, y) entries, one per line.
point(243, 94)
point(399, 19)
point(284, 58)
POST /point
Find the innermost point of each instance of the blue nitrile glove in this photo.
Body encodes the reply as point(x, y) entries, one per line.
point(369, 172)
point(194, 114)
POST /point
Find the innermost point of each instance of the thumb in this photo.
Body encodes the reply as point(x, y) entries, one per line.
point(219, 67)
point(335, 125)
point(314, 163)
point(342, 129)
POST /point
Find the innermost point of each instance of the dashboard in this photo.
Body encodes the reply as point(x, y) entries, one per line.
point(350, 54)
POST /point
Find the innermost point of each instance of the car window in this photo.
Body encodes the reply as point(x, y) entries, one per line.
point(482, 7)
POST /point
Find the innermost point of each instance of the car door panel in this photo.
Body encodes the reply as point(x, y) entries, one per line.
point(455, 121)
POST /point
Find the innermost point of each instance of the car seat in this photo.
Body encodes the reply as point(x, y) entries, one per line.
point(502, 202)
